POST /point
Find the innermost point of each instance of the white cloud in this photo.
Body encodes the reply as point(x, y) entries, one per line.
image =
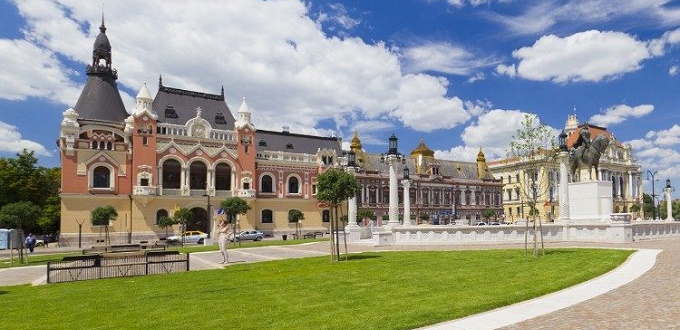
point(673, 70)
point(29, 71)
point(11, 141)
point(667, 137)
point(424, 105)
point(277, 56)
point(493, 129)
point(442, 57)
point(620, 113)
point(538, 18)
point(585, 56)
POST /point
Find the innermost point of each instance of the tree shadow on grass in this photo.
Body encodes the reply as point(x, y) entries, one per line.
point(361, 256)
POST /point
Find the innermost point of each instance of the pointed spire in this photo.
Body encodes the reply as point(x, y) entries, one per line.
point(160, 81)
point(244, 107)
point(144, 92)
point(102, 28)
point(222, 92)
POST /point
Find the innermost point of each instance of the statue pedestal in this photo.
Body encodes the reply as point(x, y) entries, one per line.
point(590, 201)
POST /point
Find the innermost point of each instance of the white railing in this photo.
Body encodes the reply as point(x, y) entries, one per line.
point(172, 192)
point(246, 193)
point(287, 157)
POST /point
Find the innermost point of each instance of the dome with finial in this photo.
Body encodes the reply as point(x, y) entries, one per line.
point(480, 156)
point(422, 150)
point(355, 144)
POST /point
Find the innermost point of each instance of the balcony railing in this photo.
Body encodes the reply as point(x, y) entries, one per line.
point(145, 190)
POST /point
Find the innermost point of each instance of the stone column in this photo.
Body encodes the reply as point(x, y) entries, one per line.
point(393, 213)
point(563, 188)
point(407, 202)
point(669, 203)
point(351, 207)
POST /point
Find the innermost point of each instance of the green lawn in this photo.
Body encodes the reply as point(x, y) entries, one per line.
point(376, 290)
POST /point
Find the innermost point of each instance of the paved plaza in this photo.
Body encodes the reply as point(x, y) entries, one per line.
point(644, 293)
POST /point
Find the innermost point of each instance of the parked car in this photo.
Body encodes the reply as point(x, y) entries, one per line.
point(481, 224)
point(495, 223)
point(190, 236)
point(249, 235)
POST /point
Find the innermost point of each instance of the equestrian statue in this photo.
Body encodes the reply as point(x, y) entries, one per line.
point(587, 152)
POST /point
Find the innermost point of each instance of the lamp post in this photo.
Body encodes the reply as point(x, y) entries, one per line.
point(393, 158)
point(669, 203)
point(352, 201)
point(653, 178)
point(406, 182)
point(563, 192)
point(209, 217)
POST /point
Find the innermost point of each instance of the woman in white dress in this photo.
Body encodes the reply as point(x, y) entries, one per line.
point(225, 230)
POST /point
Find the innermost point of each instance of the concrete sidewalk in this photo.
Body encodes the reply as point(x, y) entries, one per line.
point(643, 293)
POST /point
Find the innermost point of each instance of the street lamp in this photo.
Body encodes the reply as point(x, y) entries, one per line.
point(209, 217)
point(393, 158)
point(669, 203)
point(562, 139)
point(653, 176)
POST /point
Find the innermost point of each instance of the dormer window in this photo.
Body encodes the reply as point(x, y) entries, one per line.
point(170, 112)
point(289, 146)
point(262, 143)
point(219, 119)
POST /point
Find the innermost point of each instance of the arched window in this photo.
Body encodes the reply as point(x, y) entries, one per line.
point(171, 174)
point(267, 184)
point(267, 216)
point(109, 145)
point(101, 145)
point(198, 174)
point(326, 216)
point(293, 185)
point(101, 177)
point(222, 177)
point(159, 214)
point(94, 144)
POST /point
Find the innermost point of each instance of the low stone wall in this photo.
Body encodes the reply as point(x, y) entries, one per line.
point(614, 232)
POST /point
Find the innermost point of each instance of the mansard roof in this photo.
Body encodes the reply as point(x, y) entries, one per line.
point(298, 143)
point(100, 99)
point(177, 106)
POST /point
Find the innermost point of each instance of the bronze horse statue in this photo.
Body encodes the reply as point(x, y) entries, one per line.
point(589, 156)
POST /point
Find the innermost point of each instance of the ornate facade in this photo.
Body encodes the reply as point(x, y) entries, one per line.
point(616, 165)
point(447, 192)
point(186, 149)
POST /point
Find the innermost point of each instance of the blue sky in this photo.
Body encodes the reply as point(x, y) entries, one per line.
point(459, 74)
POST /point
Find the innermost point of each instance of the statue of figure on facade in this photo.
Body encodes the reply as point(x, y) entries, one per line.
point(587, 152)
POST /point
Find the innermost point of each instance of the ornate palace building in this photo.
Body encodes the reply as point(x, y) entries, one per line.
point(186, 149)
point(616, 165)
point(443, 191)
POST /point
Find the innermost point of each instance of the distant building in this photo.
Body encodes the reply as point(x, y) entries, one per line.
point(185, 148)
point(442, 190)
point(616, 165)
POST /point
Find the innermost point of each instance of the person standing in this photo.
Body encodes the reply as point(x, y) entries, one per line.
point(46, 240)
point(224, 230)
point(30, 242)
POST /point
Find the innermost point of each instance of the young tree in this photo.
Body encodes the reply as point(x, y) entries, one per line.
point(232, 207)
point(165, 222)
point(334, 187)
point(487, 214)
point(183, 216)
point(534, 147)
point(294, 216)
point(365, 214)
point(101, 216)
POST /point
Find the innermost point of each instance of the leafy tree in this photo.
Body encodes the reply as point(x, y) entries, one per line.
point(232, 207)
point(487, 214)
point(183, 216)
point(165, 222)
point(294, 216)
point(101, 216)
point(423, 217)
point(648, 206)
point(22, 215)
point(334, 187)
point(533, 146)
point(363, 214)
point(23, 181)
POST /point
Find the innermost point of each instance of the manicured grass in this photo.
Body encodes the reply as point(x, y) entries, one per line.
point(41, 259)
point(386, 290)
